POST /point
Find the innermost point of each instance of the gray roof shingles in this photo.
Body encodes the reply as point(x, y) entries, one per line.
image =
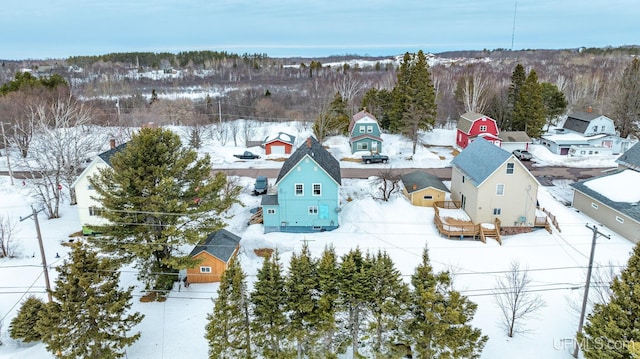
point(480, 159)
point(631, 157)
point(318, 153)
point(220, 244)
point(579, 121)
point(422, 180)
point(106, 155)
point(632, 210)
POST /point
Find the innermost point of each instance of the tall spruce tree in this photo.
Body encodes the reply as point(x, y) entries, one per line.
point(268, 298)
point(612, 327)
point(529, 111)
point(301, 287)
point(518, 77)
point(439, 324)
point(88, 316)
point(626, 104)
point(327, 301)
point(228, 329)
point(158, 197)
point(22, 327)
point(355, 293)
point(378, 103)
point(388, 305)
point(554, 102)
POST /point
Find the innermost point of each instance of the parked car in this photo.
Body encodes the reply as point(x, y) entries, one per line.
point(375, 158)
point(247, 156)
point(261, 185)
point(523, 155)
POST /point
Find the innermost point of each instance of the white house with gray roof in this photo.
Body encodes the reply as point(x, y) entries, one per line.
point(490, 183)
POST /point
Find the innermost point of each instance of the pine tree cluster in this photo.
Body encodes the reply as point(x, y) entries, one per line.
point(356, 304)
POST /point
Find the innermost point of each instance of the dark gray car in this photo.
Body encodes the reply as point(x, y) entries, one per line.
point(261, 185)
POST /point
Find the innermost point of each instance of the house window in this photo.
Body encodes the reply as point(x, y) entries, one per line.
point(510, 167)
point(369, 129)
point(205, 269)
point(299, 189)
point(317, 189)
point(595, 129)
point(313, 209)
point(497, 211)
point(90, 187)
point(602, 128)
point(462, 179)
point(96, 211)
point(427, 197)
point(271, 211)
point(620, 219)
point(362, 146)
point(361, 129)
point(463, 202)
point(483, 128)
point(500, 189)
point(459, 137)
point(594, 205)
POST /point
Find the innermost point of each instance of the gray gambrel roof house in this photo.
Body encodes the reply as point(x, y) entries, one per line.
point(418, 180)
point(319, 154)
point(221, 244)
point(631, 158)
point(480, 159)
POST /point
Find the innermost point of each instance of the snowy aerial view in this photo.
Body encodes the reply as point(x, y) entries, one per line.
point(555, 259)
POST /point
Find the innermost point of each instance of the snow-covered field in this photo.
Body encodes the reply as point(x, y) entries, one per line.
point(175, 328)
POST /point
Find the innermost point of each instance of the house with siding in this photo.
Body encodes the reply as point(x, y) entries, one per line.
point(89, 208)
point(307, 192)
point(423, 189)
point(213, 255)
point(364, 133)
point(472, 125)
point(490, 183)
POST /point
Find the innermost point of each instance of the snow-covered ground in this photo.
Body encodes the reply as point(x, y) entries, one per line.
point(175, 328)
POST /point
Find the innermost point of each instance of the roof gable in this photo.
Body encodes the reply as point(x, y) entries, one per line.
point(220, 244)
point(314, 150)
point(282, 137)
point(579, 121)
point(363, 116)
point(480, 159)
point(631, 157)
point(422, 180)
point(466, 120)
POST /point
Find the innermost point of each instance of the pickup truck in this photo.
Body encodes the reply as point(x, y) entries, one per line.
point(375, 158)
point(247, 156)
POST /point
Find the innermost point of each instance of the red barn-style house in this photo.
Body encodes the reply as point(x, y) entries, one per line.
point(279, 144)
point(472, 125)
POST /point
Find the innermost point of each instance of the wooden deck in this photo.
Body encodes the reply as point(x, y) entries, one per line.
point(458, 228)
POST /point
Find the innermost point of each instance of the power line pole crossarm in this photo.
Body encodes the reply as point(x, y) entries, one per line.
point(596, 233)
point(42, 255)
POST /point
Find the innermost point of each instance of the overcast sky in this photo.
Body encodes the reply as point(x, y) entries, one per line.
point(41, 29)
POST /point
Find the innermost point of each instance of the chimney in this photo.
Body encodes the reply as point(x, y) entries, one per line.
point(309, 142)
point(415, 186)
point(589, 109)
point(112, 143)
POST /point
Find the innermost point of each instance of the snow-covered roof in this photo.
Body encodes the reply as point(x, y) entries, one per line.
point(280, 136)
point(571, 137)
point(614, 191)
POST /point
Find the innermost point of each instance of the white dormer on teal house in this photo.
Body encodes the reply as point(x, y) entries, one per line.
point(364, 133)
point(307, 198)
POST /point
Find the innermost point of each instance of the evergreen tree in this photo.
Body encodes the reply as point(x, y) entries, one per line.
point(269, 325)
point(529, 111)
point(439, 324)
point(626, 104)
point(378, 103)
point(88, 317)
point(327, 301)
point(339, 114)
point(612, 327)
point(301, 287)
point(554, 102)
point(157, 198)
point(388, 305)
point(22, 326)
point(228, 329)
point(355, 293)
point(518, 77)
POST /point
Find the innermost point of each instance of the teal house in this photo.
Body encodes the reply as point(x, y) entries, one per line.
point(307, 192)
point(364, 133)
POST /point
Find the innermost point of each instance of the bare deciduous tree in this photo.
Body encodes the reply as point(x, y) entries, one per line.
point(348, 86)
point(387, 182)
point(474, 90)
point(515, 299)
point(8, 230)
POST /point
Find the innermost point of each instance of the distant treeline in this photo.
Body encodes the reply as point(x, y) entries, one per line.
point(155, 59)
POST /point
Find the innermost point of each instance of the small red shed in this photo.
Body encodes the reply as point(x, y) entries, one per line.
point(472, 125)
point(281, 144)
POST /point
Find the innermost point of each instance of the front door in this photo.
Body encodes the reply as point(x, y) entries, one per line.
point(374, 147)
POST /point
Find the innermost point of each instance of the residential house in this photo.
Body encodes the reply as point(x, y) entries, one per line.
point(307, 192)
point(490, 183)
point(364, 133)
point(214, 255)
point(423, 189)
point(472, 125)
point(613, 198)
point(88, 207)
point(585, 129)
point(515, 140)
point(280, 143)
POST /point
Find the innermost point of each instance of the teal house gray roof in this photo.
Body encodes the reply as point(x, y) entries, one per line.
point(632, 210)
point(220, 244)
point(631, 157)
point(318, 153)
point(480, 159)
point(422, 180)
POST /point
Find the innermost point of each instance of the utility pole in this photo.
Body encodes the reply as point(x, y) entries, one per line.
point(44, 259)
point(596, 232)
point(6, 152)
point(219, 112)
